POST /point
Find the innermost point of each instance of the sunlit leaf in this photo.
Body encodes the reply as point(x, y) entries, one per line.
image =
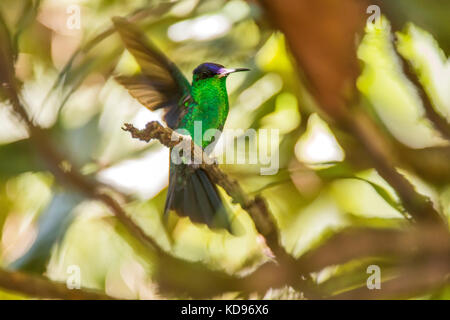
point(392, 95)
point(52, 225)
point(430, 63)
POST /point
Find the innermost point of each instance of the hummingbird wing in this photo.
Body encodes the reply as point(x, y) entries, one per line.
point(160, 84)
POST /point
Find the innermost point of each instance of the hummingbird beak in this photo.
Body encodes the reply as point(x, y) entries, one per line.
point(225, 72)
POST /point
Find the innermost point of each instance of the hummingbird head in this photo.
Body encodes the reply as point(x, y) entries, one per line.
point(209, 70)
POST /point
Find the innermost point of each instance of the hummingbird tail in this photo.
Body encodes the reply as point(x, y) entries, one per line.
point(191, 193)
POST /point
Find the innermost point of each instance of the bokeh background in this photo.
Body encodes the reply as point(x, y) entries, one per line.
point(65, 80)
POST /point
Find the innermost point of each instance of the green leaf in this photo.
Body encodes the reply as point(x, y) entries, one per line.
point(29, 12)
point(430, 63)
point(386, 196)
point(18, 157)
point(342, 172)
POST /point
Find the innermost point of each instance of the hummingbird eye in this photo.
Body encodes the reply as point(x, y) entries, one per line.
point(205, 75)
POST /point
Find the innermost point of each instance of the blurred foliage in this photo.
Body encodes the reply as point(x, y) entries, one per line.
point(68, 89)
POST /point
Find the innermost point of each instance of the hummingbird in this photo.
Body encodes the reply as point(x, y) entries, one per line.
point(161, 85)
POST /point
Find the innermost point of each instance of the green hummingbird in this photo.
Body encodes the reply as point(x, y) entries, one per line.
point(161, 85)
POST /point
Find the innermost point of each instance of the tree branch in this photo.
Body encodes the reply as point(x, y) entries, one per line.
point(384, 160)
point(40, 287)
point(356, 243)
point(411, 281)
point(256, 207)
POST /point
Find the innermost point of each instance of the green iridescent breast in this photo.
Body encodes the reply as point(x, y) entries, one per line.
point(209, 109)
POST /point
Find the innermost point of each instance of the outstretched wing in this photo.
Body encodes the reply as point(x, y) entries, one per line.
point(161, 84)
